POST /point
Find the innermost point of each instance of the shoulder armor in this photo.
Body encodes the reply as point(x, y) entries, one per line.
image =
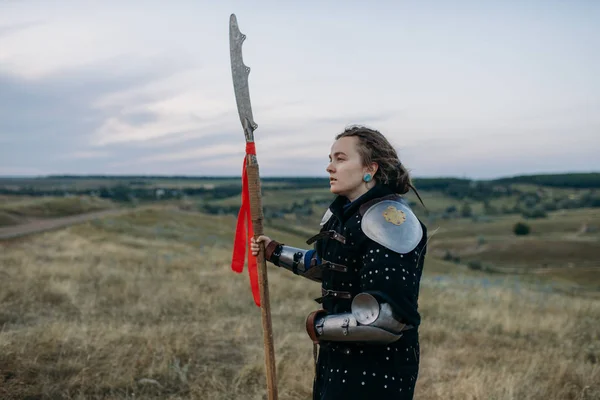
point(392, 224)
point(326, 217)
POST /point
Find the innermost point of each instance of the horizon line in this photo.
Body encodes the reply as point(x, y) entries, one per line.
point(172, 176)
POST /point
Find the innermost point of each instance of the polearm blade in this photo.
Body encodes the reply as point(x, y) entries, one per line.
point(240, 74)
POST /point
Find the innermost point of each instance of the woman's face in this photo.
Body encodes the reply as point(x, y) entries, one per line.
point(346, 170)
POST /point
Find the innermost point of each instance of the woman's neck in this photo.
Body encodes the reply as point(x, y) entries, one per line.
point(360, 191)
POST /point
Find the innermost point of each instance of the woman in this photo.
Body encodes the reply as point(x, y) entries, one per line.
point(369, 257)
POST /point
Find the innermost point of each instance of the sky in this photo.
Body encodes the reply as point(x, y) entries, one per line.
point(474, 89)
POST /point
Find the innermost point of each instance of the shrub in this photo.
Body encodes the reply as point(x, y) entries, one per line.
point(466, 211)
point(533, 213)
point(475, 265)
point(451, 257)
point(480, 240)
point(521, 228)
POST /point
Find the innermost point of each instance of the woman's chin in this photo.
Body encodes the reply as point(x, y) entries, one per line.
point(333, 189)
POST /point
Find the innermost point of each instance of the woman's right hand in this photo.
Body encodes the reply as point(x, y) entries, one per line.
point(255, 246)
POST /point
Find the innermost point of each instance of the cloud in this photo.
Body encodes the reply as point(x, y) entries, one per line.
point(86, 154)
point(49, 122)
point(21, 171)
point(182, 103)
point(204, 153)
point(366, 119)
point(8, 29)
point(103, 88)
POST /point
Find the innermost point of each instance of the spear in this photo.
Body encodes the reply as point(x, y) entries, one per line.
point(251, 210)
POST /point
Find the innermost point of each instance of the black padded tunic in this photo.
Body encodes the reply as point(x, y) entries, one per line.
point(349, 371)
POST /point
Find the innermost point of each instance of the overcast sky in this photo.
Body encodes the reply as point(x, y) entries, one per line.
point(144, 87)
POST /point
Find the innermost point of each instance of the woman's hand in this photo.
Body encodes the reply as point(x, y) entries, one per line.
point(255, 246)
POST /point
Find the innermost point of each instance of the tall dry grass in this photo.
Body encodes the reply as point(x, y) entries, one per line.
point(121, 309)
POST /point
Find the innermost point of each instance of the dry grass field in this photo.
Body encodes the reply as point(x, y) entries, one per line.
point(145, 306)
point(17, 210)
point(563, 248)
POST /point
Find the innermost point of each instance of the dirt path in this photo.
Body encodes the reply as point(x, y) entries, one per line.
point(43, 225)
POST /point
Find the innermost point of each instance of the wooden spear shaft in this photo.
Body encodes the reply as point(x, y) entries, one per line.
point(256, 212)
point(240, 74)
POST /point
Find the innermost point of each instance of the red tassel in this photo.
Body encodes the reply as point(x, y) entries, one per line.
point(241, 238)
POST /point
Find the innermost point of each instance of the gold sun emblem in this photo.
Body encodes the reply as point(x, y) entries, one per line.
point(395, 216)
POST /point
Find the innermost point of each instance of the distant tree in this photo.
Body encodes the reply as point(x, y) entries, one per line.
point(489, 209)
point(536, 212)
point(506, 209)
point(550, 205)
point(530, 199)
point(448, 256)
point(474, 264)
point(466, 210)
point(574, 180)
point(521, 229)
point(480, 240)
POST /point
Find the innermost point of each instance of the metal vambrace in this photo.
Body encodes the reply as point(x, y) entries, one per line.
point(290, 258)
point(368, 321)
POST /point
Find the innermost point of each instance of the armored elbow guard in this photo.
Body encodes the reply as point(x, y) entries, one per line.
point(368, 321)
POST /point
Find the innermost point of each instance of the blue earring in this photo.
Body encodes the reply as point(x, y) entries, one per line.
point(367, 178)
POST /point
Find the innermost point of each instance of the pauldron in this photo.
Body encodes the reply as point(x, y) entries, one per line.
point(368, 321)
point(391, 223)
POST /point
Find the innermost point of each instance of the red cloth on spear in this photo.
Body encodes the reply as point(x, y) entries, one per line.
point(242, 239)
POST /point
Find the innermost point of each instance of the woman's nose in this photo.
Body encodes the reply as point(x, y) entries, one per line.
point(329, 168)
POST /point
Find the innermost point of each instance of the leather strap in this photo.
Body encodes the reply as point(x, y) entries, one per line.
point(332, 266)
point(297, 259)
point(333, 293)
point(330, 234)
point(310, 324)
point(316, 357)
point(270, 249)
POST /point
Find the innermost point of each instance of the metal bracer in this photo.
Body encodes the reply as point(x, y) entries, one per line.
point(290, 258)
point(368, 321)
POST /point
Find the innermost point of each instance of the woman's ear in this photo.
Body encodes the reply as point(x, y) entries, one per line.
point(373, 168)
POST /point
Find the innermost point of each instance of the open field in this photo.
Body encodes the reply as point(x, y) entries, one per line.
point(562, 248)
point(16, 210)
point(282, 197)
point(144, 305)
point(75, 183)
